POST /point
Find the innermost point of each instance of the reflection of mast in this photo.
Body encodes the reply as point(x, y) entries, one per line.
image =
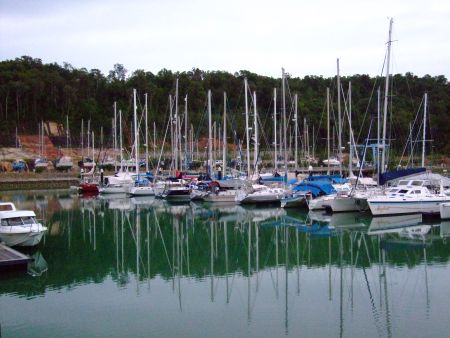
point(148, 250)
point(426, 279)
point(257, 255)
point(225, 226)
point(138, 246)
point(298, 262)
point(276, 259)
point(388, 319)
point(286, 324)
point(329, 269)
point(249, 263)
point(211, 236)
point(341, 290)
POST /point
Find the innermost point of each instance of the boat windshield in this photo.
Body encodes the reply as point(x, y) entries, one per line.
point(18, 221)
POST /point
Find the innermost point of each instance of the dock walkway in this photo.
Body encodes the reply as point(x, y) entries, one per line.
point(12, 259)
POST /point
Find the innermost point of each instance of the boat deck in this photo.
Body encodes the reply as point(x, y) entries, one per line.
point(12, 259)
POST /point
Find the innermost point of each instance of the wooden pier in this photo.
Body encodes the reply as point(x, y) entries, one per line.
point(11, 259)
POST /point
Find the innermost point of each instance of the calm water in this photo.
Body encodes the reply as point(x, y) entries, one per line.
point(143, 267)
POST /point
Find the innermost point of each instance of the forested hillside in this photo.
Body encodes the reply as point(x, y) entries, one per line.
point(31, 91)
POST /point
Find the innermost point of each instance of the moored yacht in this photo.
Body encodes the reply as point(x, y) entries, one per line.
point(409, 197)
point(260, 194)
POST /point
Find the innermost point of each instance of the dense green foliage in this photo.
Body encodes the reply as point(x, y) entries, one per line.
point(31, 91)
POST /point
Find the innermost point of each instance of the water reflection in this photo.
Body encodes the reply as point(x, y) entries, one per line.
point(285, 268)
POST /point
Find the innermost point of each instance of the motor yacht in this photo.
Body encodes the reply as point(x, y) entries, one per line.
point(19, 227)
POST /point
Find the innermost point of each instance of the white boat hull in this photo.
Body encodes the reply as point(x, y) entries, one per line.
point(320, 203)
point(114, 189)
point(383, 207)
point(26, 238)
point(221, 197)
point(258, 197)
point(142, 191)
point(343, 204)
point(444, 210)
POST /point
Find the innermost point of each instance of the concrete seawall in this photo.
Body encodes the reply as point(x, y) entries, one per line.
point(38, 183)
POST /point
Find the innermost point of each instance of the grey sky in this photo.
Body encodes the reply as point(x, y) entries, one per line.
point(261, 36)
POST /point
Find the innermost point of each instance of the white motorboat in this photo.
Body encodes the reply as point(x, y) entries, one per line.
point(19, 227)
point(407, 198)
point(444, 210)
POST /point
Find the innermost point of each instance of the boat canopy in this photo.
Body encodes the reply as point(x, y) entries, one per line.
point(335, 179)
point(392, 175)
point(318, 188)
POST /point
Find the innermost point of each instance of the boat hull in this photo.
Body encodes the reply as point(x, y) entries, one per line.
point(382, 207)
point(444, 210)
point(344, 204)
point(142, 191)
point(293, 202)
point(221, 197)
point(29, 238)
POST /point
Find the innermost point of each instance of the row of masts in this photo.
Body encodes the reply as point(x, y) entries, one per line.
point(182, 134)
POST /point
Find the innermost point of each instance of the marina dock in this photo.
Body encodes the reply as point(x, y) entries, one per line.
point(11, 259)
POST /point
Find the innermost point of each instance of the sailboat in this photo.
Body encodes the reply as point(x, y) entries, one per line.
point(142, 186)
point(41, 162)
point(64, 162)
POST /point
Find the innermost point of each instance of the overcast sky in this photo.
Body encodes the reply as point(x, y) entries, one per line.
point(304, 37)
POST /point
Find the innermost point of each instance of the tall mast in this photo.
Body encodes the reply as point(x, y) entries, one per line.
point(224, 145)
point(378, 130)
point(209, 161)
point(296, 131)
point(328, 129)
point(146, 132)
point(424, 127)
point(186, 136)
point(89, 137)
point(93, 149)
point(136, 133)
point(283, 87)
point(82, 140)
point(411, 145)
point(246, 127)
point(350, 134)
point(67, 131)
point(339, 118)
point(176, 126)
point(115, 136)
point(154, 140)
point(120, 140)
point(275, 126)
point(386, 94)
point(255, 160)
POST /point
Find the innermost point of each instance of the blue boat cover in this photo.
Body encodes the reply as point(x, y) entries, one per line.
point(335, 179)
point(317, 188)
point(392, 175)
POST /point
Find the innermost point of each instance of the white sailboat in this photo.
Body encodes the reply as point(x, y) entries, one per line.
point(65, 161)
point(140, 188)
